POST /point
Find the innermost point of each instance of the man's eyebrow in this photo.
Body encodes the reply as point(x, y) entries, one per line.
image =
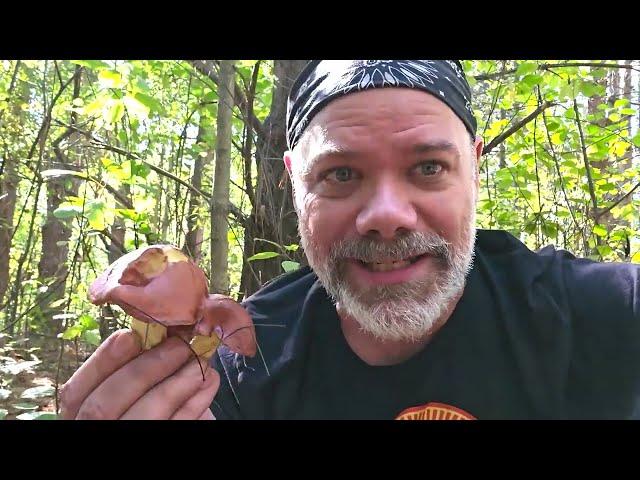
point(326, 150)
point(436, 146)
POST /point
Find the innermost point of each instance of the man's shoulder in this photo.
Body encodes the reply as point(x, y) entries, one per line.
point(591, 287)
point(281, 300)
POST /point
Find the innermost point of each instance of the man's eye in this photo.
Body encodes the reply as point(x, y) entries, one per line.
point(341, 175)
point(429, 169)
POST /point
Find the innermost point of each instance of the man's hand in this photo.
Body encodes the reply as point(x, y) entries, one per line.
point(117, 382)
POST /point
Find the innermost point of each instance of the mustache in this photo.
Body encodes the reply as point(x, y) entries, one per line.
point(412, 244)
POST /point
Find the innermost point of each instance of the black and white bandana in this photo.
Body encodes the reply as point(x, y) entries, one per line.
point(322, 81)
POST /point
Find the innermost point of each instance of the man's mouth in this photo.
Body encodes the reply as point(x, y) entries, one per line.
point(390, 265)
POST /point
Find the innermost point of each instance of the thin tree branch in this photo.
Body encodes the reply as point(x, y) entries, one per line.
point(514, 128)
point(98, 143)
point(564, 191)
point(551, 66)
point(592, 192)
point(617, 202)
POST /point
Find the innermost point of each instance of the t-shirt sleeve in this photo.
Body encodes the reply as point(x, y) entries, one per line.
point(604, 377)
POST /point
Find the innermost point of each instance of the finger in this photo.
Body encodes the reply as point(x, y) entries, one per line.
point(238, 329)
point(198, 405)
point(117, 393)
point(113, 353)
point(164, 399)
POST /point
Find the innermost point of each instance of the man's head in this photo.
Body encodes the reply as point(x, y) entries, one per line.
point(385, 187)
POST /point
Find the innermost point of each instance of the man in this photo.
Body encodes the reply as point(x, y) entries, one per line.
point(406, 311)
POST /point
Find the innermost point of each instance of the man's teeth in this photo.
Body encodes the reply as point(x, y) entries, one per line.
point(387, 266)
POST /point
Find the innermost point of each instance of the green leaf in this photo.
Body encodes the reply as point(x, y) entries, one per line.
point(552, 125)
point(607, 187)
point(530, 227)
point(614, 117)
point(25, 406)
point(94, 211)
point(590, 89)
point(136, 107)
point(3, 413)
point(263, 256)
point(142, 85)
point(604, 250)
point(128, 213)
point(4, 393)
point(292, 248)
point(38, 392)
point(88, 322)
point(116, 112)
point(140, 169)
point(289, 266)
point(600, 231)
point(92, 64)
point(532, 80)
point(628, 111)
point(148, 101)
point(526, 67)
point(92, 337)
point(110, 79)
point(550, 229)
point(37, 416)
point(68, 211)
point(72, 332)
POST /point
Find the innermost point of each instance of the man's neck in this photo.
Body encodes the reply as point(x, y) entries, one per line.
point(377, 352)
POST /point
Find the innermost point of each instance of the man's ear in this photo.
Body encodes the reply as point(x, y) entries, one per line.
point(479, 145)
point(288, 155)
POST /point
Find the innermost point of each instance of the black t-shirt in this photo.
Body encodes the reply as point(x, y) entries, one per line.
point(535, 336)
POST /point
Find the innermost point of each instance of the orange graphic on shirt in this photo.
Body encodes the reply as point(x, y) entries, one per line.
point(434, 411)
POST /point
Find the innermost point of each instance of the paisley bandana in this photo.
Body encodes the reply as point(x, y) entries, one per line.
point(322, 81)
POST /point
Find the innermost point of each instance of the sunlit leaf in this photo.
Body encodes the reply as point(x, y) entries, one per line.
point(67, 211)
point(289, 266)
point(38, 392)
point(263, 256)
point(600, 231)
point(109, 79)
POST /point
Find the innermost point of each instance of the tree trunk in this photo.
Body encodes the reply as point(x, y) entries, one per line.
point(273, 216)
point(8, 186)
point(220, 196)
point(194, 237)
point(56, 233)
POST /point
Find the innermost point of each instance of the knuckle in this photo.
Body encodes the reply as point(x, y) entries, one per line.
point(66, 399)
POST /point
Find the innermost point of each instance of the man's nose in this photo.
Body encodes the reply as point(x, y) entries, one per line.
point(388, 212)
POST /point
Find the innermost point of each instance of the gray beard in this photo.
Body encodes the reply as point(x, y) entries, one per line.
point(401, 312)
